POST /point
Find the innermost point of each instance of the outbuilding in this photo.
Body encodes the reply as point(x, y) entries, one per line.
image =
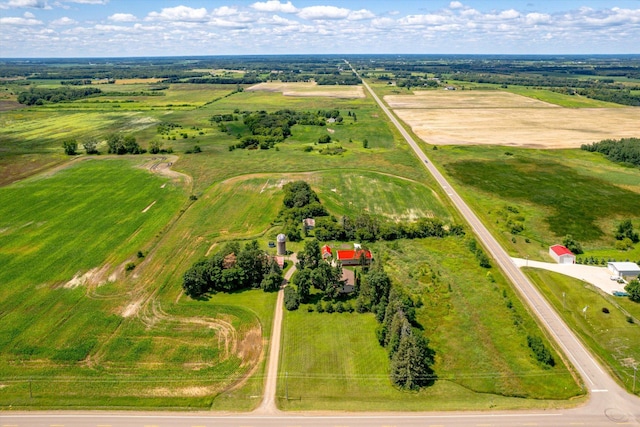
point(562, 255)
point(629, 270)
point(354, 257)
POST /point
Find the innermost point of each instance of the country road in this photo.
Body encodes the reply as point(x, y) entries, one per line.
point(607, 396)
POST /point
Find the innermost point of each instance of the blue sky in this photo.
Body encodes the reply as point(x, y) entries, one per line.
point(97, 28)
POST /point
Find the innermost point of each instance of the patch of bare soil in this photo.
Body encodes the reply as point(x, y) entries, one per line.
point(193, 391)
point(95, 277)
point(162, 166)
point(132, 309)
point(6, 105)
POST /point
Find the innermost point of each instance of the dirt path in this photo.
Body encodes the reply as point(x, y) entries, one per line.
point(268, 405)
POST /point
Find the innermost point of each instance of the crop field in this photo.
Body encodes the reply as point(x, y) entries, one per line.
point(327, 366)
point(500, 118)
point(609, 335)
point(310, 90)
point(80, 330)
point(601, 194)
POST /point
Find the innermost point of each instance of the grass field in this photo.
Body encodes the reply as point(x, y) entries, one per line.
point(576, 192)
point(501, 118)
point(326, 366)
point(80, 331)
point(609, 335)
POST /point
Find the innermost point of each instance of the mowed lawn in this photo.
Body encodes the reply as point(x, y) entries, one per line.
point(477, 327)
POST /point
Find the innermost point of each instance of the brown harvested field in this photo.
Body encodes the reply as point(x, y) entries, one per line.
point(473, 117)
point(310, 90)
point(7, 105)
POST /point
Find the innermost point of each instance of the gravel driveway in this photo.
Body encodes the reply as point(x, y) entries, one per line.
point(597, 276)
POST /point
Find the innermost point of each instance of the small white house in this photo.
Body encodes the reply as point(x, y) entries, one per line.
point(562, 255)
point(624, 269)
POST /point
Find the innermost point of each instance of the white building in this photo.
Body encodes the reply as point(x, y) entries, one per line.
point(624, 269)
point(562, 255)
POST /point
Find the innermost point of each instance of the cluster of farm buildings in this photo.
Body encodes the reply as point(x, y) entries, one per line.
point(623, 270)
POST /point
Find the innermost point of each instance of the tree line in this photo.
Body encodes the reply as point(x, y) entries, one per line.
point(625, 150)
point(233, 268)
point(410, 357)
point(39, 96)
point(368, 228)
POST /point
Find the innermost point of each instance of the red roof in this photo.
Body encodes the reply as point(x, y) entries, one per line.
point(326, 249)
point(351, 254)
point(560, 250)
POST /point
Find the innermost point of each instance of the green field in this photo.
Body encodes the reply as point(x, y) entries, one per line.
point(79, 331)
point(576, 192)
point(326, 366)
point(609, 335)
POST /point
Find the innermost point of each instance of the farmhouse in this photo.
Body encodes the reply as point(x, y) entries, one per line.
point(562, 255)
point(629, 270)
point(349, 280)
point(308, 223)
point(353, 257)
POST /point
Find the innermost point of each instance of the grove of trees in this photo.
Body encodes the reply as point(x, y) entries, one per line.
point(625, 150)
point(231, 269)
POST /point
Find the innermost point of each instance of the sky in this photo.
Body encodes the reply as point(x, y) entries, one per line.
point(125, 28)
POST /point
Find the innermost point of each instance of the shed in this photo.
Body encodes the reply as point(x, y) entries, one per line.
point(308, 223)
point(326, 252)
point(562, 255)
point(624, 269)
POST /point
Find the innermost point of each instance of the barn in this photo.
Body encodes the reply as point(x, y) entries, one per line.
point(562, 255)
point(628, 270)
point(353, 257)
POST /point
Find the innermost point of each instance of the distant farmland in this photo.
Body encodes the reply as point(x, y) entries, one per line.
point(501, 118)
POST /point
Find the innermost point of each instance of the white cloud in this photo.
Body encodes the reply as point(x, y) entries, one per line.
point(29, 15)
point(123, 17)
point(179, 13)
point(358, 15)
point(275, 6)
point(535, 18)
point(19, 21)
point(64, 21)
point(456, 5)
point(323, 12)
point(225, 11)
point(88, 1)
point(430, 19)
point(34, 4)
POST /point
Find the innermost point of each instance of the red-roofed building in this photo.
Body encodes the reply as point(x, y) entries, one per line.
point(352, 257)
point(326, 252)
point(562, 255)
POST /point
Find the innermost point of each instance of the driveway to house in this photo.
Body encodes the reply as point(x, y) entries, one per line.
point(598, 276)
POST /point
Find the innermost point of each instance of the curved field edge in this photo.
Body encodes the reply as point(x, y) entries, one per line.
point(112, 341)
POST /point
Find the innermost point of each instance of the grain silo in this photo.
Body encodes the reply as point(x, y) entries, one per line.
point(282, 244)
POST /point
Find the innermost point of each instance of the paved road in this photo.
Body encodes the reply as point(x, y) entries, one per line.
point(520, 419)
point(607, 395)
